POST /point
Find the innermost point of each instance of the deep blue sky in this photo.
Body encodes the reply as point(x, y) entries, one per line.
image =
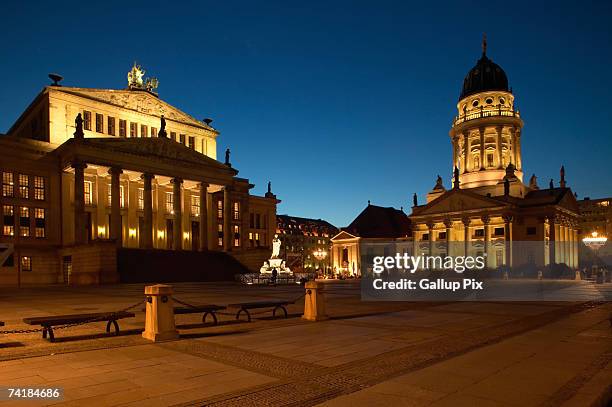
point(337, 102)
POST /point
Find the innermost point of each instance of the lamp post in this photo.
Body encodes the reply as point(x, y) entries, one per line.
point(320, 255)
point(595, 242)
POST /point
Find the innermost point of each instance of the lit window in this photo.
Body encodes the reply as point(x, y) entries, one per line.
point(182, 139)
point(144, 131)
point(8, 184)
point(192, 142)
point(39, 222)
point(195, 205)
point(257, 239)
point(110, 196)
point(8, 213)
point(88, 192)
point(122, 128)
point(24, 186)
point(24, 221)
point(110, 126)
point(26, 263)
point(140, 199)
point(153, 132)
point(86, 120)
point(39, 188)
point(133, 130)
point(220, 234)
point(99, 123)
point(236, 211)
point(219, 209)
point(490, 159)
point(169, 202)
point(236, 235)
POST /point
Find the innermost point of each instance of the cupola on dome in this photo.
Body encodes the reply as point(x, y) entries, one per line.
point(485, 76)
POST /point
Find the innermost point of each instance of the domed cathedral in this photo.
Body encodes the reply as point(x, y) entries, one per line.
point(486, 132)
point(489, 210)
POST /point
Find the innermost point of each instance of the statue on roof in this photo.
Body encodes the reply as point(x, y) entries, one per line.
point(551, 184)
point(227, 157)
point(456, 176)
point(415, 200)
point(533, 182)
point(162, 127)
point(135, 77)
point(78, 124)
point(562, 175)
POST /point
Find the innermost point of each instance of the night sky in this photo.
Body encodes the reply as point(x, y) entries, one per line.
point(337, 102)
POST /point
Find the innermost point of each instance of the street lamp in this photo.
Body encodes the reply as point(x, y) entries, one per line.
point(320, 255)
point(595, 242)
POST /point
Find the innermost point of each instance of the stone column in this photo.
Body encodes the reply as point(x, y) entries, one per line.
point(147, 238)
point(430, 228)
point(508, 238)
point(227, 219)
point(466, 151)
point(481, 131)
point(487, 237)
point(517, 149)
point(79, 202)
point(552, 240)
point(115, 218)
point(562, 241)
point(203, 217)
point(500, 163)
point(448, 224)
point(570, 245)
point(455, 158)
point(466, 235)
point(576, 248)
point(177, 207)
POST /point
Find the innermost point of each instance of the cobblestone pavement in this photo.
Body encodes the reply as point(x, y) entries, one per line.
point(363, 348)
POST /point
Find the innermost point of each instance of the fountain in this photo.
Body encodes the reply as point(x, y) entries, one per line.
point(275, 262)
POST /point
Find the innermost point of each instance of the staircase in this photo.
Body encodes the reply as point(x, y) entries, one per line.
point(167, 266)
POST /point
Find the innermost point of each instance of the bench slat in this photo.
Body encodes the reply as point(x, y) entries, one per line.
point(198, 309)
point(74, 318)
point(260, 304)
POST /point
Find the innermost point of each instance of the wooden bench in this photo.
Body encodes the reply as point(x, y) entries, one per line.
point(49, 322)
point(246, 306)
point(208, 309)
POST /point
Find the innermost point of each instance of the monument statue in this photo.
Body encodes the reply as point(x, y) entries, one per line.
point(276, 245)
point(275, 263)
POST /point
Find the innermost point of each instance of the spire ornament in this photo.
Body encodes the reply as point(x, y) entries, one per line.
point(484, 44)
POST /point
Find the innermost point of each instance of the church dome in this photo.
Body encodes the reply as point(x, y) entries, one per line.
point(486, 75)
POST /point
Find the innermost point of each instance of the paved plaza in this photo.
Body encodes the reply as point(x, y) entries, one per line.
point(368, 353)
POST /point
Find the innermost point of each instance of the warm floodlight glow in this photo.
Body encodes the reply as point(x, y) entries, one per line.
point(101, 231)
point(132, 232)
point(595, 242)
point(160, 234)
point(186, 235)
point(320, 254)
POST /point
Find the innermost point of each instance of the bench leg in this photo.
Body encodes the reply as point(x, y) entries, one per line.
point(284, 310)
point(246, 311)
point(51, 336)
point(45, 332)
point(279, 307)
point(212, 313)
point(115, 324)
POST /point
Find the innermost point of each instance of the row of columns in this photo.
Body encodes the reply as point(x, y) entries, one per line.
point(448, 223)
point(563, 242)
point(515, 158)
point(147, 235)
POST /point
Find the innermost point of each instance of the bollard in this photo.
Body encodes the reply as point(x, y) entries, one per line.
point(505, 275)
point(539, 274)
point(159, 320)
point(314, 302)
point(578, 275)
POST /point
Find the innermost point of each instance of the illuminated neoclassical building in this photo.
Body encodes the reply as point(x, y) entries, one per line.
point(489, 209)
point(91, 175)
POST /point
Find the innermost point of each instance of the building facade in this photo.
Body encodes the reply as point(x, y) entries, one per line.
point(305, 242)
point(488, 209)
point(88, 171)
point(374, 230)
point(596, 218)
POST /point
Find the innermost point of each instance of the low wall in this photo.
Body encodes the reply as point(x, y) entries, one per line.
point(94, 263)
point(252, 259)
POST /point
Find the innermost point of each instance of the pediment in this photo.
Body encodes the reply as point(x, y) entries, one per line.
point(458, 201)
point(569, 202)
point(343, 235)
point(157, 148)
point(140, 101)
